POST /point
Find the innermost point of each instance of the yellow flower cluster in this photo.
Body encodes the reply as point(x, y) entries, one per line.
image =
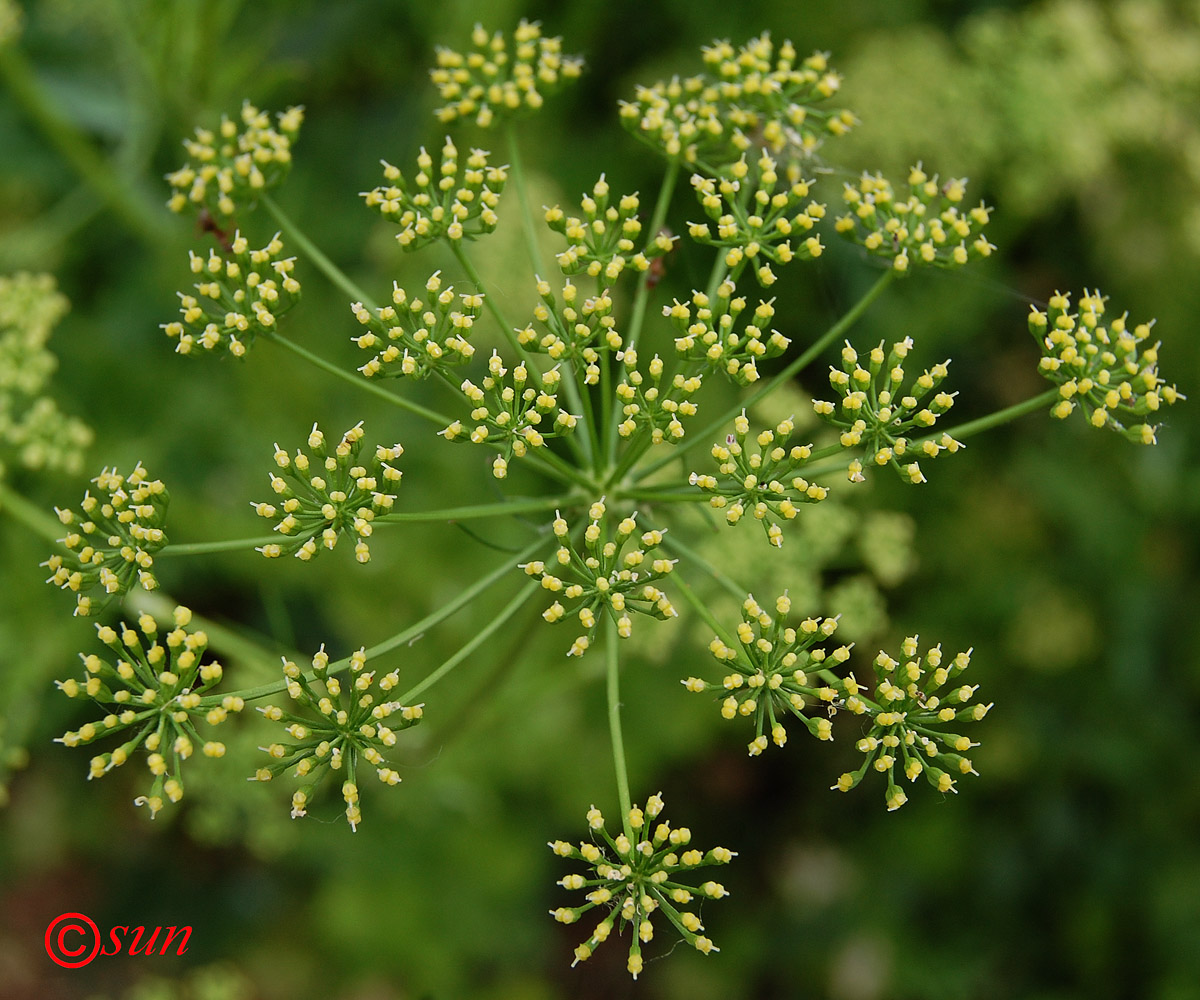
point(878, 416)
point(508, 415)
point(326, 493)
point(495, 80)
point(639, 872)
point(596, 579)
point(777, 672)
point(573, 330)
point(713, 338)
point(111, 543)
point(907, 719)
point(645, 402)
point(438, 204)
point(233, 166)
point(929, 227)
point(343, 724)
point(153, 693)
point(1101, 366)
point(758, 229)
point(412, 337)
point(764, 483)
point(752, 94)
point(239, 296)
point(604, 240)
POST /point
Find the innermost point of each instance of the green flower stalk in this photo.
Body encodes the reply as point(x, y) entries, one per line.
point(776, 673)
point(604, 241)
point(713, 339)
point(596, 579)
point(110, 544)
point(1101, 368)
point(757, 216)
point(231, 168)
point(509, 413)
point(879, 417)
point(153, 693)
point(630, 879)
point(756, 95)
point(496, 80)
point(327, 493)
point(414, 338)
point(440, 206)
point(241, 295)
point(908, 717)
point(343, 723)
point(765, 483)
point(929, 227)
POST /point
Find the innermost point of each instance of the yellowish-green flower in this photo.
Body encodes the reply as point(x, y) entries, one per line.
point(343, 722)
point(633, 876)
point(496, 80)
point(152, 692)
point(1101, 366)
point(234, 166)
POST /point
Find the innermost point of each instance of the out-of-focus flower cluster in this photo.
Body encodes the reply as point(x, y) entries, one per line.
point(759, 229)
point(13, 757)
point(440, 205)
point(495, 79)
point(776, 673)
point(928, 227)
point(154, 693)
point(110, 544)
point(712, 336)
point(350, 721)
point(908, 718)
point(765, 483)
point(878, 416)
point(12, 22)
point(235, 165)
point(601, 578)
point(34, 433)
point(604, 239)
point(413, 337)
point(646, 869)
point(753, 94)
point(509, 411)
point(1101, 366)
point(326, 493)
point(240, 295)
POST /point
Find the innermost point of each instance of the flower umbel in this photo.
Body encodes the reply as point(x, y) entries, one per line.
point(351, 721)
point(237, 164)
point(630, 879)
point(239, 296)
point(713, 338)
point(111, 546)
point(329, 493)
point(495, 80)
point(1101, 367)
point(153, 693)
point(597, 579)
point(780, 673)
point(908, 718)
point(412, 337)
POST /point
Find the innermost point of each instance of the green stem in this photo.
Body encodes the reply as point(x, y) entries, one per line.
point(702, 610)
point(227, 545)
point(310, 250)
point(999, 417)
point(802, 362)
point(130, 205)
point(517, 170)
point(489, 302)
point(30, 515)
point(483, 636)
point(638, 315)
point(671, 540)
point(613, 671)
point(408, 635)
point(663, 496)
point(362, 383)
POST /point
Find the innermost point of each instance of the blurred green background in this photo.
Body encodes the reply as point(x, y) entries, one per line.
point(1066, 557)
